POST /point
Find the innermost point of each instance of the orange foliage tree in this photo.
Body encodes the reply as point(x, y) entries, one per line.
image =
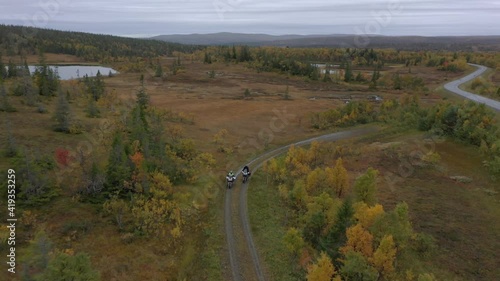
point(297, 162)
point(359, 240)
point(366, 215)
point(322, 270)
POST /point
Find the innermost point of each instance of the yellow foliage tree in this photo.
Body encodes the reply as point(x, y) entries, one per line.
point(294, 241)
point(366, 215)
point(158, 213)
point(138, 175)
point(220, 137)
point(152, 215)
point(118, 208)
point(358, 240)
point(385, 255)
point(323, 204)
point(337, 178)
point(161, 186)
point(275, 171)
point(316, 181)
point(322, 270)
point(298, 196)
point(297, 162)
point(365, 187)
point(205, 161)
point(315, 154)
point(220, 140)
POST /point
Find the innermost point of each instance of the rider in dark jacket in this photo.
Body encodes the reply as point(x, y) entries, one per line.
point(246, 173)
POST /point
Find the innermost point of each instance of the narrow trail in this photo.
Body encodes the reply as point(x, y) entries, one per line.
point(239, 257)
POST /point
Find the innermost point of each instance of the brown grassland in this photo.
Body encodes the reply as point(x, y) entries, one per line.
point(463, 218)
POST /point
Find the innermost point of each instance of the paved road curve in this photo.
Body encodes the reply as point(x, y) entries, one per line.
point(454, 88)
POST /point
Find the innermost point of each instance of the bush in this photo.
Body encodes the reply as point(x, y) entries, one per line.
point(478, 82)
point(67, 267)
point(41, 109)
point(424, 244)
point(426, 277)
point(78, 226)
point(35, 183)
point(493, 166)
point(431, 158)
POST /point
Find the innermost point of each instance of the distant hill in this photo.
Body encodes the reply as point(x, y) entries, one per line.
point(457, 43)
point(91, 47)
point(227, 38)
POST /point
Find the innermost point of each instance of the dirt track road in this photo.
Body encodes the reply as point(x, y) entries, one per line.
point(454, 88)
point(243, 256)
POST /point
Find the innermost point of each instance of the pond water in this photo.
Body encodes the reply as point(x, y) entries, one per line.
point(68, 72)
point(322, 68)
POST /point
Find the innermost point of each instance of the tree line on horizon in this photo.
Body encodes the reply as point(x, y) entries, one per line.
point(19, 40)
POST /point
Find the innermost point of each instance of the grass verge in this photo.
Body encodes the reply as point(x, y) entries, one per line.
point(268, 222)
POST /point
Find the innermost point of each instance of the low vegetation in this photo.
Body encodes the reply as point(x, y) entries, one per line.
point(467, 122)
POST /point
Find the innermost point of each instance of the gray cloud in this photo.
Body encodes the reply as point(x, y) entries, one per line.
point(151, 17)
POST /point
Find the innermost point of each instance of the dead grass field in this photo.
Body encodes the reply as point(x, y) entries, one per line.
point(219, 103)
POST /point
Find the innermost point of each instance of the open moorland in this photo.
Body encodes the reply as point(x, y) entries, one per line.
point(122, 176)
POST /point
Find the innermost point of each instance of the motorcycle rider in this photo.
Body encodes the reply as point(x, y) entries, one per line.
point(230, 178)
point(246, 173)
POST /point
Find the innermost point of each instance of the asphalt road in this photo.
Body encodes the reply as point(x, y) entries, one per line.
point(454, 88)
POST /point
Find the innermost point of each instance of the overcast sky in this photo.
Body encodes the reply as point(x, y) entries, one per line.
point(154, 17)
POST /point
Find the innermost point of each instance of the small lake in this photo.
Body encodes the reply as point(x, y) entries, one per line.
point(322, 67)
point(68, 72)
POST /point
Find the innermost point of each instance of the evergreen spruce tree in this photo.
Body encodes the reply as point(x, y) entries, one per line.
point(142, 97)
point(159, 70)
point(397, 82)
point(359, 77)
point(26, 88)
point(348, 76)
point(62, 114)
point(235, 56)
point(92, 109)
point(11, 149)
point(47, 79)
point(327, 77)
point(118, 169)
point(3, 69)
point(12, 70)
point(4, 100)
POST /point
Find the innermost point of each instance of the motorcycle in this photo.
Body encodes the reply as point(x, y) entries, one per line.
point(230, 182)
point(245, 176)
